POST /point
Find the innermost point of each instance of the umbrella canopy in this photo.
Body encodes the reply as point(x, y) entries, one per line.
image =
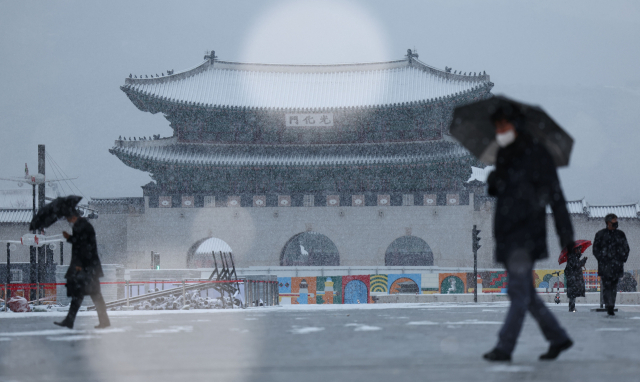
point(50, 213)
point(582, 244)
point(472, 127)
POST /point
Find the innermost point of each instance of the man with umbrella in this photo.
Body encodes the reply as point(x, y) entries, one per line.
point(611, 249)
point(526, 146)
point(85, 268)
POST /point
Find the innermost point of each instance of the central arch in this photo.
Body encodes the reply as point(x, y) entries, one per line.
point(408, 251)
point(200, 254)
point(310, 249)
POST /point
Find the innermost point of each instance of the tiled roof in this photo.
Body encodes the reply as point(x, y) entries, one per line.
point(622, 211)
point(629, 211)
point(16, 216)
point(222, 83)
point(132, 200)
point(172, 151)
point(480, 174)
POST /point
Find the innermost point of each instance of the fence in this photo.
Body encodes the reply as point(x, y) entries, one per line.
point(250, 291)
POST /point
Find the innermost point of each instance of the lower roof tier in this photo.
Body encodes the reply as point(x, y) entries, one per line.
point(173, 152)
point(180, 168)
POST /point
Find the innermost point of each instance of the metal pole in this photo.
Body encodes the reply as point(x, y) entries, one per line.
point(475, 266)
point(8, 273)
point(61, 253)
point(5, 297)
point(128, 292)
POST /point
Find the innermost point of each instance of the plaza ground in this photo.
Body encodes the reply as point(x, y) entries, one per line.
point(425, 342)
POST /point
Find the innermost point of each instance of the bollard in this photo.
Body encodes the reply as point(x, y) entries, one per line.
point(248, 297)
point(184, 294)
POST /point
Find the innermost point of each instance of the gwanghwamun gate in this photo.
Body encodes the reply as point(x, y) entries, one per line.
point(314, 171)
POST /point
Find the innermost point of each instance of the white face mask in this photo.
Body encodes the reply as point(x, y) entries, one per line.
point(505, 139)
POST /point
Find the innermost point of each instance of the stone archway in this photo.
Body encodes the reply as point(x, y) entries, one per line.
point(309, 249)
point(200, 255)
point(408, 251)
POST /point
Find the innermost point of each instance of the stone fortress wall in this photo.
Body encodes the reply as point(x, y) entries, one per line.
point(257, 235)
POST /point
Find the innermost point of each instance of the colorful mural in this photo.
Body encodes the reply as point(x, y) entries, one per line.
point(379, 283)
point(404, 283)
point(452, 283)
point(358, 288)
point(355, 289)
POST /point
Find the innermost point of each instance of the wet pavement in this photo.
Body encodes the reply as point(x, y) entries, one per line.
point(425, 342)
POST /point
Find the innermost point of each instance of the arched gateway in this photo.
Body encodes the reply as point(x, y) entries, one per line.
point(310, 248)
point(408, 251)
point(200, 254)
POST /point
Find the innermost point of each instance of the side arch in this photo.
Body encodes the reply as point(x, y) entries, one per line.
point(408, 251)
point(200, 255)
point(309, 249)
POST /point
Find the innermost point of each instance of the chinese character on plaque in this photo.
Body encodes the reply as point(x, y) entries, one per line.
point(309, 119)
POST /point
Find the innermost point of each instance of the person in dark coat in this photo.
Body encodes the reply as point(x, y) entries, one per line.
point(611, 249)
point(524, 182)
point(574, 276)
point(85, 270)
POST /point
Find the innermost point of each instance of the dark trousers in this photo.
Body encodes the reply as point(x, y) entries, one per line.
point(609, 292)
point(524, 298)
point(572, 304)
point(98, 301)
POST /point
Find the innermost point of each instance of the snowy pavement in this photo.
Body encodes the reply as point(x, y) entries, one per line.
point(426, 342)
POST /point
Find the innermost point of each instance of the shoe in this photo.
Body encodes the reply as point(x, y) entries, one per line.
point(555, 350)
point(610, 312)
point(496, 355)
point(65, 324)
point(102, 326)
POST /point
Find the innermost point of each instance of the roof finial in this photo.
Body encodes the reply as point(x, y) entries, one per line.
point(211, 56)
point(410, 55)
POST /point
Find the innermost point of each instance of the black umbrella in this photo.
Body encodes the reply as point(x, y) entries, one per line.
point(473, 128)
point(50, 213)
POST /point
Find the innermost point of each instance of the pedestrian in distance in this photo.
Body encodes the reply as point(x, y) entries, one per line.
point(524, 182)
point(611, 249)
point(574, 277)
point(85, 270)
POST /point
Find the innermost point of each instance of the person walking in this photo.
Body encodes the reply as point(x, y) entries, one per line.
point(574, 276)
point(85, 270)
point(524, 182)
point(611, 249)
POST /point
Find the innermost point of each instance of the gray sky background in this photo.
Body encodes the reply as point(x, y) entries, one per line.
point(62, 63)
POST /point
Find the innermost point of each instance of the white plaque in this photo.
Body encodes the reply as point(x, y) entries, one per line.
point(309, 120)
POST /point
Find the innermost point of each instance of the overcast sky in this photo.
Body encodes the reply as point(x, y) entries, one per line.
point(63, 63)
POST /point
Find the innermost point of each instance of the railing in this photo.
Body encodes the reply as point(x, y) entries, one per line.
point(249, 291)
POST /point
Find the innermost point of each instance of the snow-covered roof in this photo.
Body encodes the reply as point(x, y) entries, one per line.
point(629, 211)
point(171, 151)
point(480, 174)
point(213, 245)
point(622, 211)
point(16, 215)
point(222, 83)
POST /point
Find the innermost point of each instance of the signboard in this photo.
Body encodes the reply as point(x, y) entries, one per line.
point(309, 119)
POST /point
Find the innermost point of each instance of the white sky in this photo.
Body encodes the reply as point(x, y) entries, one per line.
point(64, 61)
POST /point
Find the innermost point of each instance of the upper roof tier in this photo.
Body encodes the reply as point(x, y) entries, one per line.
point(222, 83)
